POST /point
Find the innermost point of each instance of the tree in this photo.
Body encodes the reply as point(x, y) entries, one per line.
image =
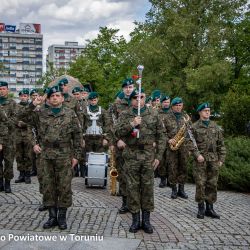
point(101, 63)
point(184, 47)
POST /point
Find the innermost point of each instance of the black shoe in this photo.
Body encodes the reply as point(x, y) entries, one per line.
point(135, 223)
point(146, 226)
point(1, 185)
point(174, 192)
point(52, 221)
point(7, 186)
point(62, 218)
point(181, 193)
point(124, 207)
point(210, 211)
point(163, 182)
point(42, 208)
point(201, 210)
point(27, 177)
point(21, 177)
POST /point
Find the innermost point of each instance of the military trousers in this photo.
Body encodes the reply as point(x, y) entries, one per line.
point(57, 182)
point(177, 165)
point(40, 174)
point(140, 178)
point(7, 155)
point(206, 178)
point(163, 167)
point(121, 171)
point(23, 155)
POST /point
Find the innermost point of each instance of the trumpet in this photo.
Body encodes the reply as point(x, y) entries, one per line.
point(113, 174)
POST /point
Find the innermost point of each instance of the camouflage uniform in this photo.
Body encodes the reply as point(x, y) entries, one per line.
point(23, 146)
point(178, 158)
point(118, 107)
point(163, 168)
point(211, 146)
point(59, 134)
point(8, 153)
point(138, 156)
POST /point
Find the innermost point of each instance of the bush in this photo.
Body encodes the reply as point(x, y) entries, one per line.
point(235, 110)
point(235, 174)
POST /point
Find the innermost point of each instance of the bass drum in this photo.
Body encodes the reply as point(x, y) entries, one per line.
point(96, 169)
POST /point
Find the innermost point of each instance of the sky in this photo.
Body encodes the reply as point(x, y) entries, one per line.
point(74, 20)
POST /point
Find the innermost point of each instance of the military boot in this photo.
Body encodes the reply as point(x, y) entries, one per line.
point(21, 177)
point(124, 207)
point(163, 182)
point(62, 218)
point(146, 226)
point(27, 177)
point(210, 211)
point(135, 222)
point(1, 185)
point(174, 192)
point(7, 186)
point(52, 221)
point(181, 193)
point(201, 210)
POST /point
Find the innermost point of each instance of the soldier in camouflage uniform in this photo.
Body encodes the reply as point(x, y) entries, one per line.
point(177, 160)
point(82, 104)
point(121, 104)
point(96, 142)
point(23, 146)
point(140, 159)
point(210, 156)
point(60, 132)
point(7, 154)
point(163, 167)
point(33, 95)
point(156, 99)
point(85, 94)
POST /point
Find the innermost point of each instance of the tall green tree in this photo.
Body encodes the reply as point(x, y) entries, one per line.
point(182, 45)
point(101, 63)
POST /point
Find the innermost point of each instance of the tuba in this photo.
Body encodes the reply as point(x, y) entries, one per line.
point(113, 173)
point(180, 136)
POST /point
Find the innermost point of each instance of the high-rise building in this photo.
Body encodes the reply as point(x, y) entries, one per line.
point(61, 55)
point(21, 55)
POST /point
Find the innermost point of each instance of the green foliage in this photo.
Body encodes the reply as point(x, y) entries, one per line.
point(235, 110)
point(235, 174)
point(101, 64)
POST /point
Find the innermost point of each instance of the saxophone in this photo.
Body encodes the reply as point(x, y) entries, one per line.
point(113, 174)
point(180, 136)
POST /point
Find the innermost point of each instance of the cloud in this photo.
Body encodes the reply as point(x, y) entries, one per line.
point(74, 20)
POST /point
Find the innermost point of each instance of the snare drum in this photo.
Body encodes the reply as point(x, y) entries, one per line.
point(96, 169)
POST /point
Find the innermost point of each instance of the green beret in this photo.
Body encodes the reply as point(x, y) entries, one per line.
point(127, 82)
point(3, 84)
point(33, 91)
point(203, 106)
point(164, 98)
point(53, 90)
point(176, 100)
point(85, 90)
point(63, 81)
point(92, 95)
point(135, 93)
point(24, 92)
point(156, 94)
point(76, 89)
